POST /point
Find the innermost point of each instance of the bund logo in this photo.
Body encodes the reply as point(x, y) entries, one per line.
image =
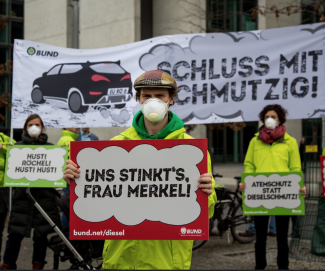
point(31, 51)
point(191, 231)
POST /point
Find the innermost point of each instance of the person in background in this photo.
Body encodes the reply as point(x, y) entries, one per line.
point(272, 150)
point(86, 135)
point(24, 216)
point(155, 91)
point(4, 191)
point(68, 135)
point(302, 152)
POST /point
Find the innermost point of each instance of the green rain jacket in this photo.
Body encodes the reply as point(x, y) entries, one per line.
point(4, 140)
point(66, 138)
point(280, 156)
point(152, 254)
point(4, 191)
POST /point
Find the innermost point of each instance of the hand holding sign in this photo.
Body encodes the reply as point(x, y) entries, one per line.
point(205, 183)
point(303, 191)
point(71, 171)
point(2, 147)
point(242, 187)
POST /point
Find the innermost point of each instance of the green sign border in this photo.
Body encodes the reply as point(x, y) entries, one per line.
point(39, 182)
point(276, 210)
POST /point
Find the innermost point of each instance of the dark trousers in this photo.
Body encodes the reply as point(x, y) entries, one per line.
point(13, 247)
point(3, 217)
point(282, 226)
point(294, 220)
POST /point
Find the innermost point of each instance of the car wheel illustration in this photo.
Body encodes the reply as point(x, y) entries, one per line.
point(37, 96)
point(75, 103)
point(119, 106)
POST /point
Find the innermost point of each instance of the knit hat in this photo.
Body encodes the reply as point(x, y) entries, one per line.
point(156, 79)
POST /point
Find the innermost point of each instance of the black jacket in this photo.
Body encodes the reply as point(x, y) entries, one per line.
point(24, 216)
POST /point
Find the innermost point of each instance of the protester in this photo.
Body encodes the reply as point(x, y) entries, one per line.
point(156, 91)
point(68, 135)
point(24, 216)
point(272, 150)
point(4, 191)
point(86, 135)
point(302, 152)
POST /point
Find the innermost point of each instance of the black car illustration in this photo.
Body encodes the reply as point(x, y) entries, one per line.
point(82, 85)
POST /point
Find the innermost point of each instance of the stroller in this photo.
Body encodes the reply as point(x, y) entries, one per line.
point(80, 253)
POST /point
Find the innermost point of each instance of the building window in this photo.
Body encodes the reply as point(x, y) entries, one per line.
point(11, 27)
point(311, 11)
point(230, 15)
point(146, 19)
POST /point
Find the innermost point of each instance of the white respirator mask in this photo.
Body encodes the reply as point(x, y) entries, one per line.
point(34, 131)
point(154, 109)
point(270, 123)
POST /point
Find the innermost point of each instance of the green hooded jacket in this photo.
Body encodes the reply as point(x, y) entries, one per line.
point(66, 138)
point(4, 191)
point(280, 156)
point(4, 140)
point(152, 254)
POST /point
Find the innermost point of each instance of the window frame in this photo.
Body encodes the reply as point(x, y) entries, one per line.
point(102, 64)
point(64, 65)
point(59, 70)
point(237, 16)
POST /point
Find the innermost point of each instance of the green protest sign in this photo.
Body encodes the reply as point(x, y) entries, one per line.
point(272, 193)
point(35, 166)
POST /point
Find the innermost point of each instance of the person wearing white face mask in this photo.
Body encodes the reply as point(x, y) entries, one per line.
point(156, 91)
point(272, 150)
point(24, 216)
point(154, 109)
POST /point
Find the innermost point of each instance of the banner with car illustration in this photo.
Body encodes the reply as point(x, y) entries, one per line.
point(222, 77)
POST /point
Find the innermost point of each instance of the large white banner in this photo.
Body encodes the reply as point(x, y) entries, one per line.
point(222, 77)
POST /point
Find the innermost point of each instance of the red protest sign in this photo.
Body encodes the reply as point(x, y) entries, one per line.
point(322, 168)
point(139, 190)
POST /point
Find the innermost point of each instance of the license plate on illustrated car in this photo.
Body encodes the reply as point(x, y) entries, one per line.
point(112, 91)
